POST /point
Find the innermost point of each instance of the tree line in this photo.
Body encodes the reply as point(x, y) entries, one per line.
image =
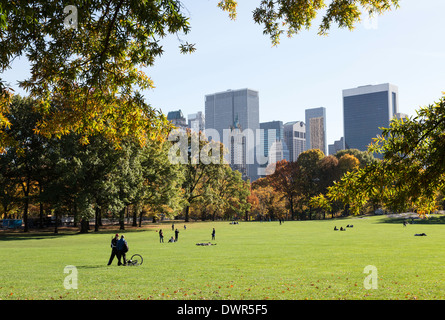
point(288, 192)
point(61, 176)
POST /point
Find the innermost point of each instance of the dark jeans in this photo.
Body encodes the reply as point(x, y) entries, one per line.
point(113, 254)
point(121, 254)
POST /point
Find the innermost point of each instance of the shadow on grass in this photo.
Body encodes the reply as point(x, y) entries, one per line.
point(433, 219)
point(39, 234)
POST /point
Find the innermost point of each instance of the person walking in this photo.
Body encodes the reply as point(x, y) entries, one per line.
point(161, 236)
point(213, 234)
point(176, 235)
point(122, 249)
point(113, 248)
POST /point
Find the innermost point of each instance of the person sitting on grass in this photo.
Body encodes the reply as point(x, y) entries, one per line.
point(171, 239)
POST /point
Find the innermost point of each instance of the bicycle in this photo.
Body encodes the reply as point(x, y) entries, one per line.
point(135, 260)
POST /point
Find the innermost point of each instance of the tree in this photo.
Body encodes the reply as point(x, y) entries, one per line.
point(411, 173)
point(23, 159)
point(365, 158)
point(202, 162)
point(163, 180)
point(286, 180)
point(310, 176)
point(290, 17)
point(85, 75)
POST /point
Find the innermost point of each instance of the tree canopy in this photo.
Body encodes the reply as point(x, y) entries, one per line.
point(86, 60)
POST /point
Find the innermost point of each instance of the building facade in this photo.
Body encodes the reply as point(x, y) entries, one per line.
point(295, 138)
point(234, 116)
point(177, 118)
point(316, 129)
point(336, 146)
point(196, 121)
point(365, 110)
point(272, 144)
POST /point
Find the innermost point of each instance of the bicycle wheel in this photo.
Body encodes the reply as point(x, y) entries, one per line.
point(136, 259)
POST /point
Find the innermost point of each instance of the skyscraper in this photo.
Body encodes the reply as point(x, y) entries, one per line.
point(234, 114)
point(365, 110)
point(316, 129)
point(196, 121)
point(295, 138)
point(272, 143)
point(177, 118)
point(336, 146)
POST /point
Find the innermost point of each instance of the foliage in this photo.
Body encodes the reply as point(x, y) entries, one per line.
point(86, 77)
point(411, 173)
point(86, 62)
point(290, 17)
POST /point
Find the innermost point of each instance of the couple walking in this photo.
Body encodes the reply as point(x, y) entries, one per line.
point(119, 248)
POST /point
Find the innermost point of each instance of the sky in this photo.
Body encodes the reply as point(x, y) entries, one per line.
point(404, 47)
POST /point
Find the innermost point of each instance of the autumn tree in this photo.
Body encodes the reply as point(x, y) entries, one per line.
point(411, 172)
point(286, 180)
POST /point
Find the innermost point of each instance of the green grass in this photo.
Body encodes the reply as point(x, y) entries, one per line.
point(252, 260)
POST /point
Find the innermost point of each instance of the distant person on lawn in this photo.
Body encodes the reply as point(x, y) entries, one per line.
point(176, 235)
point(161, 236)
point(113, 248)
point(122, 249)
point(213, 234)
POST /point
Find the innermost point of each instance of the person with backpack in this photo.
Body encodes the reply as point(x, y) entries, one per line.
point(122, 249)
point(113, 248)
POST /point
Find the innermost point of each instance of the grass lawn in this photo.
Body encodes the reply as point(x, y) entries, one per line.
point(252, 260)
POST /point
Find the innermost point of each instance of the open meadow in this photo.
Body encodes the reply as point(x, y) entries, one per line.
point(251, 260)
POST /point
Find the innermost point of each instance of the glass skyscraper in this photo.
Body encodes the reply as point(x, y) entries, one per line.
point(365, 110)
point(316, 129)
point(295, 138)
point(232, 112)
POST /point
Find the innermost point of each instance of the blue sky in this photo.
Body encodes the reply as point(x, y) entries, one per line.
point(404, 47)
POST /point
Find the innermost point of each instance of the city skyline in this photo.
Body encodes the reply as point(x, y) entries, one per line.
point(402, 47)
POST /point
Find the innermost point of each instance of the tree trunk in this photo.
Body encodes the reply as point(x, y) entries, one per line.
point(141, 213)
point(84, 225)
point(41, 208)
point(187, 208)
point(135, 215)
point(96, 219)
point(56, 230)
point(25, 213)
point(122, 219)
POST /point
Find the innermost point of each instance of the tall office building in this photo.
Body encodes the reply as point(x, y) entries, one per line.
point(365, 110)
point(295, 138)
point(272, 144)
point(196, 121)
point(231, 113)
point(336, 146)
point(177, 118)
point(316, 129)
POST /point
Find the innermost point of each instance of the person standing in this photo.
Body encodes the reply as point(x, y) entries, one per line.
point(122, 249)
point(161, 236)
point(213, 234)
point(176, 235)
point(113, 248)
